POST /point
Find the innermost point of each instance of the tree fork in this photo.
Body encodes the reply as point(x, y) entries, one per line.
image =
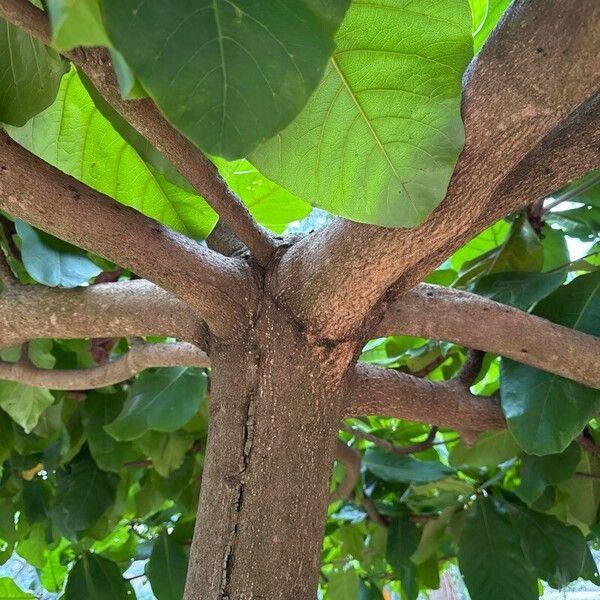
point(277, 401)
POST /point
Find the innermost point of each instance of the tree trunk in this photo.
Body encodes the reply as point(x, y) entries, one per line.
point(276, 407)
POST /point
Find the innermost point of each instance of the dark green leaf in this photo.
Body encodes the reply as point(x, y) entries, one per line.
point(394, 467)
point(538, 472)
point(490, 556)
point(161, 400)
point(167, 568)
point(228, 75)
point(544, 411)
point(490, 449)
point(555, 550)
point(379, 139)
point(167, 451)
point(30, 74)
point(582, 223)
point(96, 578)
point(401, 545)
point(521, 290)
point(83, 494)
point(589, 570)
point(53, 262)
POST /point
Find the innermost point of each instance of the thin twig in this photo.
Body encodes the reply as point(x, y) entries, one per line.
point(147, 120)
point(427, 443)
point(588, 444)
point(581, 475)
point(351, 460)
point(471, 367)
point(426, 370)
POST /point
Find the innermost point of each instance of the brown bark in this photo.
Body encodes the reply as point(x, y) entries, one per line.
point(277, 403)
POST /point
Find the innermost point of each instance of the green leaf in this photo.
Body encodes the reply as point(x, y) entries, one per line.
point(75, 137)
point(11, 591)
point(24, 403)
point(379, 139)
point(161, 400)
point(538, 472)
point(344, 585)
point(401, 545)
point(30, 74)
point(490, 556)
point(545, 412)
point(228, 75)
point(491, 449)
point(582, 223)
point(53, 262)
point(166, 451)
point(167, 568)
point(487, 240)
point(486, 14)
point(521, 290)
point(76, 23)
point(431, 536)
point(589, 570)
point(83, 494)
point(555, 550)
point(404, 469)
point(96, 578)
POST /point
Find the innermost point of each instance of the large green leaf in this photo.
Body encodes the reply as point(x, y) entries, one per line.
point(75, 137)
point(161, 400)
point(24, 403)
point(83, 494)
point(394, 467)
point(490, 556)
point(544, 411)
point(30, 75)
point(228, 74)
point(378, 140)
point(166, 450)
point(556, 550)
point(344, 585)
point(53, 262)
point(96, 578)
point(76, 23)
point(167, 568)
point(491, 449)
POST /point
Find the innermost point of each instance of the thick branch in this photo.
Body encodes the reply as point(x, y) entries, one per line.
point(218, 288)
point(475, 322)
point(147, 120)
point(181, 354)
point(125, 309)
point(531, 126)
point(379, 391)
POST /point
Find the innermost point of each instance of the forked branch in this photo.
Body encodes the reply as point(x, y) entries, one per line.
point(147, 120)
point(531, 120)
point(218, 288)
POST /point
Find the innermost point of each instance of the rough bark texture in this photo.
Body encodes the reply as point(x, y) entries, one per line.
point(277, 404)
point(284, 336)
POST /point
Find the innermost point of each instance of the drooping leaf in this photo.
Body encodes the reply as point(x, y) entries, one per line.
point(544, 411)
point(96, 578)
point(538, 472)
point(490, 556)
point(83, 494)
point(582, 222)
point(30, 74)
point(378, 140)
point(401, 545)
point(228, 75)
point(431, 536)
point(53, 262)
point(24, 403)
point(555, 550)
point(165, 450)
point(167, 568)
point(161, 400)
point(75, 137)
point(76, 23)
point(394, 467)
